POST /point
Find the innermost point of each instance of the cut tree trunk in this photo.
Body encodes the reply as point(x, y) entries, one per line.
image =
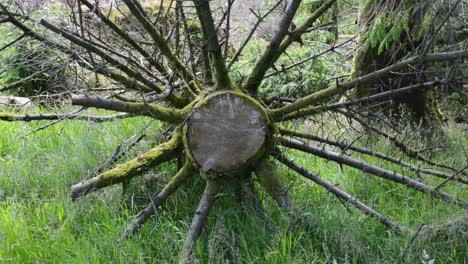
point(226, 132)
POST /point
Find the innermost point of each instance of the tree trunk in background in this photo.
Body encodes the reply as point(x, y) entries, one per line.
point(422, 105)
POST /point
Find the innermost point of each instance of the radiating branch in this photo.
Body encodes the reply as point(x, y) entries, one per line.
point(163, 47)
point(129, 83)
point(126, 171)
point(210, 35)
point(212, 188)
point(368, 168)
point(372, 153)
point(365, 100)
point(159, 199)
point(159, 67)
point(260, 19)
point(268, 178)
point(104, 55)
point(407, 150)
point(273, 50)
point(158, 112)
point(340, 194)
point(11, 117)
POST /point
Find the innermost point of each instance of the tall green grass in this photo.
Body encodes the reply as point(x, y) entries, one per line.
point(40, 224)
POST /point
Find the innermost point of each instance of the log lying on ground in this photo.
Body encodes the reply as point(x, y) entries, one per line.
point(160, 198)
point(126, 171)
point(374, 170)
point(373, 153)
point(338, 192)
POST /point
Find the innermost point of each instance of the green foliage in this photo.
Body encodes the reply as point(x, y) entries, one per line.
point(395, 21)
point(7, 74)
point(387, 25)
point(386, 30)
point(298, 81)
point(325, 34)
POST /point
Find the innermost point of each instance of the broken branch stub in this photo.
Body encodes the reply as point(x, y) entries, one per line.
point(226, 131)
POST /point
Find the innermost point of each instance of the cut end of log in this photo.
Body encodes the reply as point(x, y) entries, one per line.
point(225, 132)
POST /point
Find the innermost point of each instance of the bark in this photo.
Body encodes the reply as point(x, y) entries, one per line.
point(32, 117)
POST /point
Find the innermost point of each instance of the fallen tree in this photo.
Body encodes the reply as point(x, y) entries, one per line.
point(222, 129)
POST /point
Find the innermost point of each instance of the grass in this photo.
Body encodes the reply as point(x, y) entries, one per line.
point(40, 224)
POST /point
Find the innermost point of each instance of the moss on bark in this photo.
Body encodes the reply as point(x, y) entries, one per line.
point(8, 116)
point(126, 171)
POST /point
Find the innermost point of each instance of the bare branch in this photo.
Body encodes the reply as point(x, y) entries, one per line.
point(159, 67)
point(369, 99)
point(164, 48)
point(37, 117)
point(372, 153)
point(212, 44)
point(340, 194)
point(260, 19)
point(273, 50)
point(201, 214)
point(13, 42)
point(159, 199)
point(399, 144)
point(158, 112)
point(94, 49)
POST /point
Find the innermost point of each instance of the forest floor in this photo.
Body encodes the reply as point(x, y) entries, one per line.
point(39, 223)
